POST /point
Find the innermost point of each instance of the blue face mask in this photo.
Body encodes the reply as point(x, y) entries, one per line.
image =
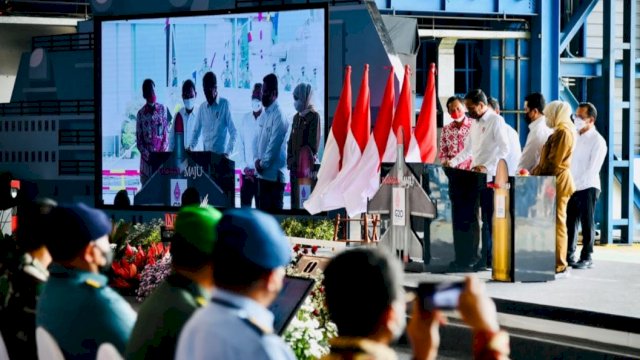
point(298, 105)
point(188, 104)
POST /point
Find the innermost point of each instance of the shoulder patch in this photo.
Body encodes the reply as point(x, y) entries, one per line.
point(93, 283)
point(201, 301)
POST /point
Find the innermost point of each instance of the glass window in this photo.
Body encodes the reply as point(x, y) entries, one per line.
point(26, 156)
point(46, 156)
point(53, 156)
point(19, 156)
point(39, 125)
point(13, 156)
point(46, 125)
point(53, 125)
point(33, 155)
point(39, 156)
point(33, 126)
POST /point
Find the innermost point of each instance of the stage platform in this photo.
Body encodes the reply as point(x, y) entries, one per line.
point(592, 309)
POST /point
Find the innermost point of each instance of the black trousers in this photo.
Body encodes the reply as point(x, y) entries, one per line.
point(466, 226)
point(486, 203)
point(270, 195)
point(581, 207)
point(249, 190)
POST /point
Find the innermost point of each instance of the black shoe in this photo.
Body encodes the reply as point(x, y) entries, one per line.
point(583, 264)
point(481, 266)
point(571, 261)
point(455, 267)
point(564, 274)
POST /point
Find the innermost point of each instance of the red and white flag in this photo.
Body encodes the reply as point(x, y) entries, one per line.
point(425, 133)
point(334, 149)
point(356, 142)
point(402, 119)
point(365, 180)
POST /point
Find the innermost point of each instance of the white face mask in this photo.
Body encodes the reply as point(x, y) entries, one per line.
point(580, 124)
point(401, 314)
point(188, 104)
point(256, 105)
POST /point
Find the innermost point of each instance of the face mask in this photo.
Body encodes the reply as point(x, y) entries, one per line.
point(188, 104)
point(298, 105)
point(580, 124)
point(256, 105)
point(108, 256)
point(397, 329)
point(457, 116)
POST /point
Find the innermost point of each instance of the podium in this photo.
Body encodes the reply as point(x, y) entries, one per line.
point(524, 227)
point(211, 174)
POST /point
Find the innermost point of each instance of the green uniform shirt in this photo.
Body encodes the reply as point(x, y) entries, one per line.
point(81, 312)
point(162, 316)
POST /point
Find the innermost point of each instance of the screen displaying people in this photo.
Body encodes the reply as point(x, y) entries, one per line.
point(175, 88)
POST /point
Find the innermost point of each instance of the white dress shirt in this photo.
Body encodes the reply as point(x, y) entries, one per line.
point(588, 157)
point(189, 125)
point(271, 145)
point(539, 132)
point(487, 143)
point(212, 125)
point(513, 158)
point(247, 133)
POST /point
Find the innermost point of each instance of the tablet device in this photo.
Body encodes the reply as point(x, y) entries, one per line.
point(285, 307)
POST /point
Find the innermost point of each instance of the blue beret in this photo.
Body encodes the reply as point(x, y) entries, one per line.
point(81, 222)
point(255, 235)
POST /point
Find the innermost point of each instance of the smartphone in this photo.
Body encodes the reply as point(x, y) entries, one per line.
point(440, 295)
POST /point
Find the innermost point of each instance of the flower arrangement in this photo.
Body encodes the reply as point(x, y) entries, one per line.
point(152, 276)
point(128, 270)
point(309, 332)
point(136, 247)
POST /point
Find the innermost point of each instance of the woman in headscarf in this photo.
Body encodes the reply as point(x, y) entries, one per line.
point(303, 145)
point(555, 160)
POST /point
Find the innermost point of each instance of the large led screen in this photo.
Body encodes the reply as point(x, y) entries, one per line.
point(162, 135)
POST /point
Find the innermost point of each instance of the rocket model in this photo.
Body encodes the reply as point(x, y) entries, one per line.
point(401, 196)
point(178, 146)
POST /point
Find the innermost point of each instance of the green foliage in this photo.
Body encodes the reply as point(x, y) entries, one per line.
point(144, 234)
point(308, 229)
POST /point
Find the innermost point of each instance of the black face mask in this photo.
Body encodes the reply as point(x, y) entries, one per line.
point(267, 99)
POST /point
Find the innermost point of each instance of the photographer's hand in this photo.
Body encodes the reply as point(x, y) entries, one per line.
point(423, 332)
point(477, 308)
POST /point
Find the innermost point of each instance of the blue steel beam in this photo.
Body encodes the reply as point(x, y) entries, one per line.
point(628, 119)
point(476, 7)
point(545, 50)
point(578, 19)
point(580, 67)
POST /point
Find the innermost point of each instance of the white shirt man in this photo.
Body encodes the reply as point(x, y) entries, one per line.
point(513, 158)
point(588, 156)
point(539, 132)
point(189, 123)
point(487, 143)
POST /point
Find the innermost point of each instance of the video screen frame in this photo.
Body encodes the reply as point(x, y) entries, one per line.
point(98, 120)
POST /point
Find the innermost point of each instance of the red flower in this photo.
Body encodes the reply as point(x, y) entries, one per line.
point(121, 283)
point(128, 251)
point(140, 257)
point(316, 312)
point(314, 249)
point(296, 248)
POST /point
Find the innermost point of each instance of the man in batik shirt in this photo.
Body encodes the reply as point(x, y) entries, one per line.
point(152, 124)
point(454, 134)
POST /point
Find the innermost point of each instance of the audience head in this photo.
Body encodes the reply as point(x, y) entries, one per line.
point(533, 106)
point(364, 294)
point(80, 237)
point(149, 91)
point(269, 90)
point(190, 196)
point(194, 238)
point(494, 104)
point(122, 199)
point(476, 103)
point(250, 254)
point(210, 86)
point(33, 229)
point(455, 108)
